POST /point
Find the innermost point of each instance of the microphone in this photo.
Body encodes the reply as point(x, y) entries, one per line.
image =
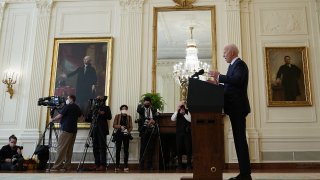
point(197, 74)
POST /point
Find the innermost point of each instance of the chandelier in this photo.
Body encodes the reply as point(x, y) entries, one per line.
point(184, 70)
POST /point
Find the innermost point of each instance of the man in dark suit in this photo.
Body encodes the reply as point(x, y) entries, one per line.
point(86, 82)
point(236, 105)
point(288, 75)
point(148, 118)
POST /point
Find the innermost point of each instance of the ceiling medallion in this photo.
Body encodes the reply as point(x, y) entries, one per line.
point(184, 3)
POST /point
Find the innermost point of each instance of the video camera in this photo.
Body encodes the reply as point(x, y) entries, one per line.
point(98, 102)
point(51, 101)
point(94, 106)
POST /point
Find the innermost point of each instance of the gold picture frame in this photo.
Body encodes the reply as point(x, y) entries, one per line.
point(288, 76)
point(68, 57)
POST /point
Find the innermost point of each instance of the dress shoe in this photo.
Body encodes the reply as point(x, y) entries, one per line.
point(126, 169)
point(101, 168)
point(242, 177)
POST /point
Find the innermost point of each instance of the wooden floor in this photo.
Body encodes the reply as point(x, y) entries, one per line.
point(283, 172)
point(110, 175)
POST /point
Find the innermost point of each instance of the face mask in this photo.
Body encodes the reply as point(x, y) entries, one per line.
point(147, 105)
point(123, 111)
point(67, 101)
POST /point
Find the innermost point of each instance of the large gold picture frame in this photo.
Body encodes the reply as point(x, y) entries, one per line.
point(288, 79)
point(68, 57)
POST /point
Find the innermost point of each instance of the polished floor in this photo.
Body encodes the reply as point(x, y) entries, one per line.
point(146, 176)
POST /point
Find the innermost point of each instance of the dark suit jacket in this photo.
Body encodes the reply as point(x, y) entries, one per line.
point(142, 117)
point(102, 119)
point(236, 100)
point(84, 83)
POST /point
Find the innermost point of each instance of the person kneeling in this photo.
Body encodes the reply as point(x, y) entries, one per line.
point(11, 158)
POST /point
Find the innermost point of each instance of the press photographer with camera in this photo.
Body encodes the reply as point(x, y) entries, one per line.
point(183, 134)
point(101, 114)
point(11, 158)
point(68, 117)
point(148, 118)
point(123, 125)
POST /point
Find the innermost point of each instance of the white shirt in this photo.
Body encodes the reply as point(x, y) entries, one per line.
point(175, 114)
point(146, 111)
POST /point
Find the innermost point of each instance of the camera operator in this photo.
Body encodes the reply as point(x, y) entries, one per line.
point(183, 134)
point(147, 131)
point(11, 156)
point(100, 132)
point(123, 124)
point(68, 117)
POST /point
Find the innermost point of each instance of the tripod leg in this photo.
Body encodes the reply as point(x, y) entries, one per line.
point(87, 144)
point(50, 145)
point(147, 145)
point(160, 143)
point(81, 163)
point(108, 149)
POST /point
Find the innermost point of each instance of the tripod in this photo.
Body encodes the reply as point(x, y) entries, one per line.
point(44, 151)
point(90, 140)
point(155, 131)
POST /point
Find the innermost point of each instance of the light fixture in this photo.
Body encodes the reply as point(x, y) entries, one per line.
point(9, 79)
point(184, 70)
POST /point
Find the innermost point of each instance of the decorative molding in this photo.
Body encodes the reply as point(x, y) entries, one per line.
point(44, 5)
point(233, 5)
point(244, 6)
point(132, 5)
point(289, 21)
point(184, 3)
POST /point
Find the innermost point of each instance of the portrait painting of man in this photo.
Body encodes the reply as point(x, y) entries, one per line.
point(287, 76)
point(81, 67)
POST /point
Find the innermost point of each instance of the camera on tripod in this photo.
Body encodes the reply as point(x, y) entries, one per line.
point(94, 106)
point(51, 101)
point(146, 123)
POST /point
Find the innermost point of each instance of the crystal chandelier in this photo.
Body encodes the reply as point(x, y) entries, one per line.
point(184, 70)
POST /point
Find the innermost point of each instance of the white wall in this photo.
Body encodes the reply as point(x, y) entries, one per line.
point(275, 134)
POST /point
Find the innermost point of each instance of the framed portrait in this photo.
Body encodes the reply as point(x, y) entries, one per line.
point(288, 80)
point(82, 66)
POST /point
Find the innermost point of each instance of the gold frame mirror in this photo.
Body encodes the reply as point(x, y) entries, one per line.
point(186, 14)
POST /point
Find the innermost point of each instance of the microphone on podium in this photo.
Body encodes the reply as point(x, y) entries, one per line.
point(197, 74)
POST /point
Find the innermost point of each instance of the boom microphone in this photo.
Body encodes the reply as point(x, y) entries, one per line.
point(197, 74)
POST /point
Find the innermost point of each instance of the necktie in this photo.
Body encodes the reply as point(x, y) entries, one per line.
point(85, 69)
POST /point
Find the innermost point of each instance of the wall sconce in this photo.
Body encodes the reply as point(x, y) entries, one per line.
point(9, 79)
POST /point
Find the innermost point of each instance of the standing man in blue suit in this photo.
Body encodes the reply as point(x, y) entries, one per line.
point(236, 105)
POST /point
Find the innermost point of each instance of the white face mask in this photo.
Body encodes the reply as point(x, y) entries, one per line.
point(124, 111)
point(67, 101)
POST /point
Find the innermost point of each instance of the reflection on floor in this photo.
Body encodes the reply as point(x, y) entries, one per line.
point(147, 176)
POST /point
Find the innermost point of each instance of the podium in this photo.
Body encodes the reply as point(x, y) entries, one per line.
point(205, 102)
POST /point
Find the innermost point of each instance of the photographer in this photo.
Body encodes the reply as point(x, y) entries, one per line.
point(100, 132)
point(183, 134)
point(147, 131)
point(123, 125)
point(68, 118)
point(11, 156)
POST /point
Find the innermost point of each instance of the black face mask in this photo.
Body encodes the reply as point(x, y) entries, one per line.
point(147, 105)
